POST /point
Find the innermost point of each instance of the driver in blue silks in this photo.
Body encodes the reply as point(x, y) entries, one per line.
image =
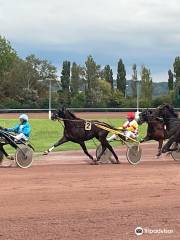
point(23, 129)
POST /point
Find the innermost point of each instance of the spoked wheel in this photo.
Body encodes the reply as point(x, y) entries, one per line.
point(106, 157)
point(24, 156)
point(176, 154)
point(134, 153)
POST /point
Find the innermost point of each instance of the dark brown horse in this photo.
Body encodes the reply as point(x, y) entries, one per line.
point(156, 128)
point(78, 130)
point(172, 122)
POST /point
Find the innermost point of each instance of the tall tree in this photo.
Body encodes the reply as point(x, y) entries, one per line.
point(92, 71)
point(64, 93)
point(121, 77)
point(75, 78)
point(7, 55)
point(65, 76)
point(170, 80)
point(146, 84)
point(134, 81)
point(108, 75)
point(176, 66)
point(37, 73)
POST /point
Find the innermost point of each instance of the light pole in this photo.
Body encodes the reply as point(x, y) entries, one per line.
point(137, 99)
point(126, 91)
point(50, 97)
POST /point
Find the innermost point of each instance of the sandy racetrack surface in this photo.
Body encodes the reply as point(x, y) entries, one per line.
point(62, 197)
point(85, 115)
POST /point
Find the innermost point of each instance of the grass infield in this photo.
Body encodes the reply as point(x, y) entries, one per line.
point(46, 132)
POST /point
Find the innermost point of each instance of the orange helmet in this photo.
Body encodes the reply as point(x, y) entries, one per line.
point(131, 115)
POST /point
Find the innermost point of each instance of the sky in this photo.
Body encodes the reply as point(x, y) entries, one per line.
point(145, 32)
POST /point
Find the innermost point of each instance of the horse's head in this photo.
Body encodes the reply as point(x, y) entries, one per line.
point(166, 111)
point(144, 116)
point(60, 113)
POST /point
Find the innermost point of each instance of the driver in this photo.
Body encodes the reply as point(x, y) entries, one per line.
point(130, 128)
point(23, 129)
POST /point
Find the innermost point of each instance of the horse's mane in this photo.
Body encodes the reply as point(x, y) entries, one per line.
point(72, 115)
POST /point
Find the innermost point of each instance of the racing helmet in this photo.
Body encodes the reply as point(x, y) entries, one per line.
point(24, 117)
point(131, 115)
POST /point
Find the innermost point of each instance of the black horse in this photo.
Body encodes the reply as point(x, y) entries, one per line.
point(77, 130)
point(156, 128)
point(172, 122)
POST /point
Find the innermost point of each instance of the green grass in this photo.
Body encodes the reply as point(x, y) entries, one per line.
point(45, 133)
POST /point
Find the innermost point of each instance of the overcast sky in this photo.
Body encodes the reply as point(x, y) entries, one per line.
point(142, 31)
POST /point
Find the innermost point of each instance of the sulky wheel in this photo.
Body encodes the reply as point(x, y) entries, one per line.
point(24, 156)
point(176, 154)
point(133, 154)
point(106, 157)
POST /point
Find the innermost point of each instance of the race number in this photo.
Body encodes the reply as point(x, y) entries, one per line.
point(88, 125)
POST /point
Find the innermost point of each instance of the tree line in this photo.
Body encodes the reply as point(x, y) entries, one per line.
point(24, 83)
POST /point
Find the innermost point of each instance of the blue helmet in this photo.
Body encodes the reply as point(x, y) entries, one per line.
point(24, 117)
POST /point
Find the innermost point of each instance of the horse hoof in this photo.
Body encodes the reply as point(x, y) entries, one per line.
point(10, 157)
point(116, 162)
point(158, 154)
point(94, 162)
point(45, 153)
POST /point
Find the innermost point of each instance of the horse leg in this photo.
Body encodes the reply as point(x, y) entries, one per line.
point(105, 143)
point(3, 151)
point(160, 148)
point(60, 142)
point(86, 151)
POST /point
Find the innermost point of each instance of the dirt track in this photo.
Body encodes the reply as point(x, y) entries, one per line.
point(85, 115)
point(65, 198)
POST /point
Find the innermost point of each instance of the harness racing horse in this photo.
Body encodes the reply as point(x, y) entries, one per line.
point(156, 128)
point(75, 131)
point(172, 122)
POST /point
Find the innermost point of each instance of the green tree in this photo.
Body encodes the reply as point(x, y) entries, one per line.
point(64, 93)
point(134, 81)
point(170, 80)
point(37, 73)
point(78, 100)
point(108, 75)
point(104, 93)
point(146, 84)
point(117, 99)
point(92, 71)
point(7, 55)
point(162, 99)
point(75, 78)
point(176, 66)
point(65, 76)
point(121, 77)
